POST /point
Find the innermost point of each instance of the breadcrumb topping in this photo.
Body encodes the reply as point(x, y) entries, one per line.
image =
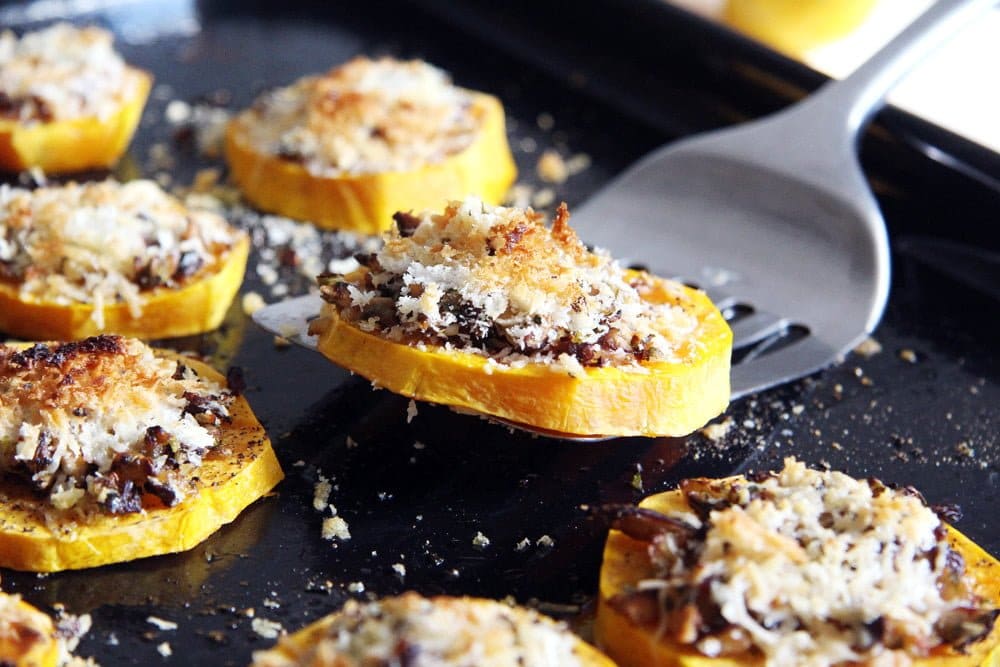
point(98, 243)
point(61, 72)
point(811, 568)
point(438, 632)
point(105, 422)
point(497, 282)
point(365, 116)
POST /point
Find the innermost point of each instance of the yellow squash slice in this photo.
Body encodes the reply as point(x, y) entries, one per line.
point(241, 468)
point(196, 307)
point(74, 144)
point(631, 644)
point(27, 636)
point(538, 269)
point(670, 399)
point(364, 200)
point(86, 262)
point(459, 631)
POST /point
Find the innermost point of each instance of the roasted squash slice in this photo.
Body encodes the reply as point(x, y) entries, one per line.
point(645, 644)
point(670, 399)
point(27, 636)
point(75, 144)
point(364, 200)
point(67, 279)
point(796, 26)
point(238, 470)
point(464, 630)
point(591, 373)
point(197, 307)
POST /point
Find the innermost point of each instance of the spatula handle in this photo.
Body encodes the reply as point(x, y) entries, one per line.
point(855, 99)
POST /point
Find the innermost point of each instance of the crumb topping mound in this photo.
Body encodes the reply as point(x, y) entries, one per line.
point(103, 242)
point(365, 116)
point(60, 73)
point(439, 632)
point(497, 282)
point(811, 568)
point(104, 421)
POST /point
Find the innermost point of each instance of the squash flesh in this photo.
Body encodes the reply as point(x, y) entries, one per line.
point(196, 307)
point(626, 562)
point(365, 202)
point(672, 399)
point(76, 144)
point(241, 468)
point(36, 645)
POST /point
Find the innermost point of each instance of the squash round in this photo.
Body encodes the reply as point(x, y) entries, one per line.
point(27, 636)
point(669, 399)
point(297, 648)
point(365, 202)
point(196, 307)
point(626, 562)
point(76, 144)
point(241, 468)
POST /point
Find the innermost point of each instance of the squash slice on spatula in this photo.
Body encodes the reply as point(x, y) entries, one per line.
point(485, 309)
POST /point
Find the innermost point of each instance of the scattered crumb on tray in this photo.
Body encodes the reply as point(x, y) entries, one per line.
point(335, 527)
point(265, 628)
point(868, 348)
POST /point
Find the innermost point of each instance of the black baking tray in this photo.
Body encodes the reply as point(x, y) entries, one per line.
point(616, 79)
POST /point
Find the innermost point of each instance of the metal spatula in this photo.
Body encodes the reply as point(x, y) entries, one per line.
point(775, 211)
point(774, 218)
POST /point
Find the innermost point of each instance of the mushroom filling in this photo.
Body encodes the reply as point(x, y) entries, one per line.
point(803, 568)
point(103, 422)
point(497, 282)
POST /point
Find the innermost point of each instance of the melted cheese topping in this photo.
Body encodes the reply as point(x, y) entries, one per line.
point(365, 116)
point(817, 569)
point(496, 281)
point(59, 73)
point(441, 632)
point(103, 242)
point(104, 419)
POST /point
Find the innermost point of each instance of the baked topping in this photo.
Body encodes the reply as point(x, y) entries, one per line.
point(804, 568)
point(440, 632)
point(104, 421)
point(365, 116)
point(98, 243)
point(59, 73)
point(497, 282)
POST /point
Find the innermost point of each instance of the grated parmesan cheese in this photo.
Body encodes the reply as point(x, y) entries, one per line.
point(810, 568)
point(438, 632)
point(497, 282)
point(61, 72)
point(105, 420)
point(103, 242)
point(364, 116)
